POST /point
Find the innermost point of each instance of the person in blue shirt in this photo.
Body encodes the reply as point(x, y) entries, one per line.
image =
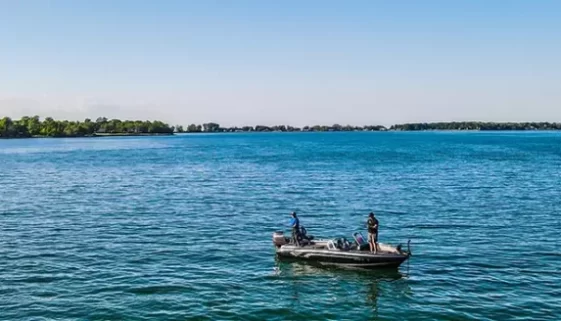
point(295, 224)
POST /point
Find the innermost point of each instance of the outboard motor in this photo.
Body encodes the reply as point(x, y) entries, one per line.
point(279, 239)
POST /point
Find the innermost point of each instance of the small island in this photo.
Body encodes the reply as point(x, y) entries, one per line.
point(28, 127)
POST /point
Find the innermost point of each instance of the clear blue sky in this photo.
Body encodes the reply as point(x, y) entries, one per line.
point(273, 62)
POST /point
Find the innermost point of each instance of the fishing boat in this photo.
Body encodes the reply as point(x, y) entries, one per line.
point(340, 252)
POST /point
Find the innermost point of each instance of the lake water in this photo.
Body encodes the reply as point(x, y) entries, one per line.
point(179, 228)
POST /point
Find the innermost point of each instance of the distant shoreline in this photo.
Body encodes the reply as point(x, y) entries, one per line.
point(129, 134)
point(92, 136)
point(33, 127)
point(365, 131)
point(272, 132)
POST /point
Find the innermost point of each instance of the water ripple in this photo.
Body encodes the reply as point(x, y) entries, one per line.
point(178, 228)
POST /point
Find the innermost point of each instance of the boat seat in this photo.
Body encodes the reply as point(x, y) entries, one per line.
point(339, 244)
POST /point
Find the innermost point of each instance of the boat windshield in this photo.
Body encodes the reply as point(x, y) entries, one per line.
point(359, 238)
point(339, 244)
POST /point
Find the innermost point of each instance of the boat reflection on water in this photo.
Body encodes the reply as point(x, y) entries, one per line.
point(344, 285)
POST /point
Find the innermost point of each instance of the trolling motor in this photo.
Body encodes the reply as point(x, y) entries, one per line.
point(400, 250)
point(408, 248)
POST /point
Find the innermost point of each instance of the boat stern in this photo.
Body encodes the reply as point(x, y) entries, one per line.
point(279, 239)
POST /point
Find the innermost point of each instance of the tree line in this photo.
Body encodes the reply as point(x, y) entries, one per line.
point(216, 128)
point(35, 127)
point(485, 126)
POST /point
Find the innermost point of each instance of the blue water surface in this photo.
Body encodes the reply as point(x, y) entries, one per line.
point(179, 227)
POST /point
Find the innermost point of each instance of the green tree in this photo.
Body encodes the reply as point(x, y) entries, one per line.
point(211, 127)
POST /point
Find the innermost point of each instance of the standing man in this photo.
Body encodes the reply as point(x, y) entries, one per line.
point(295, 224)
point(372, 232)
